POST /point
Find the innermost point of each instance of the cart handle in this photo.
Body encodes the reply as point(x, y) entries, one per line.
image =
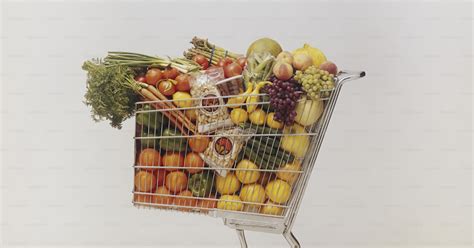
point(344, 76)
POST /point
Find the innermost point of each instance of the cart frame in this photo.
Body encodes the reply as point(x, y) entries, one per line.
point(243, 221)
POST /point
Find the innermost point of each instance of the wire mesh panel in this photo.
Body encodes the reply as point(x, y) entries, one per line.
point(232, 157)
point(244, 162)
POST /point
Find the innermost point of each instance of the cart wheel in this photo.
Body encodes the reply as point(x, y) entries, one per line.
point(241, 234)
point(291, 240)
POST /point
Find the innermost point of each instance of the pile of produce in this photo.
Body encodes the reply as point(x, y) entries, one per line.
point(215, 129)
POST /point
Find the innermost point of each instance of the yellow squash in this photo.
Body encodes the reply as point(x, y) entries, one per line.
point(240, 99)
point(252, 100)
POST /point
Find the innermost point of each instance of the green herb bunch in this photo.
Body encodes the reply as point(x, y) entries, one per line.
point(109, 92)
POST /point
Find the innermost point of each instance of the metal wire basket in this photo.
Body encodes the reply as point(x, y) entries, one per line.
point(245, 174)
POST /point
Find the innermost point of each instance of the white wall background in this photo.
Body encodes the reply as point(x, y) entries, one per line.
point(395, 168)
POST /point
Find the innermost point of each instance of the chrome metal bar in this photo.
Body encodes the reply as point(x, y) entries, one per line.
point(316, 144)
point(243, 241)
point(290, 237)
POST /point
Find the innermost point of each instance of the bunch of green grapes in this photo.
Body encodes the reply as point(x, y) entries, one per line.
point(316, 82)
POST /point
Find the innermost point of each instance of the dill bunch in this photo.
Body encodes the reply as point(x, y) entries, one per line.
point(110, 93)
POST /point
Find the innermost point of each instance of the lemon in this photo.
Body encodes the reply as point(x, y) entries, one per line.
point(288, 172)
point(271, 210)
point(180, 99)
point(253, 193)
point(273, 123)
point(228, 184)
point(247, 176)
point(230, 202)
point(278, 191)
point(238, 116)
point(257, 117)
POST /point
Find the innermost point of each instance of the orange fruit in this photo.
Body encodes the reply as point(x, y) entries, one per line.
point(144, 181)
point(173, 159)
point(160, 175)
point(149, 157)
point(193, 160)
point(162, 198)
point(176, 181)
point(199, 143)
point(180, 201)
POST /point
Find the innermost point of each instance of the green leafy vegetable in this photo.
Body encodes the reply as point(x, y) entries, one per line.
point(110, 92)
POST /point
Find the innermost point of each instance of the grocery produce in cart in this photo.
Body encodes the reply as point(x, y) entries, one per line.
point(218, 132)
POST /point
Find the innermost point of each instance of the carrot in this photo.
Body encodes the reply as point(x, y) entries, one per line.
point(148, 95)
point(178, 114)
point(154, 91)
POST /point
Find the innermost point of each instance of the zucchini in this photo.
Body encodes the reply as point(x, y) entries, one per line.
point(254, 157)
point(261, 146)
point(273, 152)
point(268, 140)
point(261, 129)
point(264, 161)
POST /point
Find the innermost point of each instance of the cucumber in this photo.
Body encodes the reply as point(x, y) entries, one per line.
point(254, 157)
point(264, 161)
point(268, 150)
point(268, 140)
point(260, 146)
point(261, 129)
point(272, 145)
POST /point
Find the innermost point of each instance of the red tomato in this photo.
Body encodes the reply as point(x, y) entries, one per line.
point(225, 61)
point(153, 75)
point(140, 78)
point(182, 82)
point(202, 61)
point(242, 61)
point(170, 73)
point(232, 70)
point(166, 88)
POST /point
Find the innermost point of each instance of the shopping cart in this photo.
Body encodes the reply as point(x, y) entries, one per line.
point(262, 194)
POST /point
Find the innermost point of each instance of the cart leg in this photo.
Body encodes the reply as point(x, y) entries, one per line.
point(291, 239)
point(241, 234)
